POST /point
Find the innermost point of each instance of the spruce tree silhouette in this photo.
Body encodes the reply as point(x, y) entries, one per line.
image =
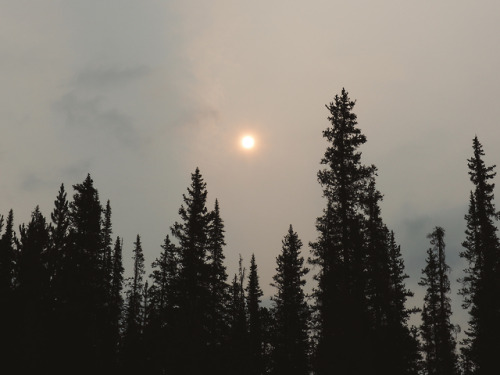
point(33, 294)
point(481, 284)
point(218, 314)
point(116, 301)
point(360, 317)
point(339, 253)
point(133, 356)
point(238, 354)
point(193, 284)
point(9, 313)
point(255, 339)
point(437, 331)
point(84, 314)
point(291, 312)
point(159, 339)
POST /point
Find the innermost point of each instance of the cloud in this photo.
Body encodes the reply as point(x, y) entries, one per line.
point(109, 77)
point(93, 118)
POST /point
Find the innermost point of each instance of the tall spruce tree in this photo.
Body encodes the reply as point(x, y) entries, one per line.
point(379, 287)
point(59, 243)
point(481, 284)
point(7, 257)
point(85, 293)
point(255, 339)
point(403, 344)
point(193, 281)
point(33, 295)
point(437, 330)
point(132, 353)
point(238, 354)
point(291, 312)
point(339, 251)
point(106, 264)
point(59, 276)
point(219, 291)
point(116, 298)
point(160, 327)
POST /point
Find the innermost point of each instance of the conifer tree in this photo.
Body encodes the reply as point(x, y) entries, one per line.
point(402, 340)
point(160, 327)
point(59, 231)
point(339, 251)
point(291, 312)
point(254, 293)
point(7, 257)
point(481, 284)
point(379, 287)
point(133, 356)
point(116, 298)
point(217, 278)
point(193, 283)
point(437, 330)
point(33, 294)
point(9, 313)
point(85, 316)
point(107, 246)
point(238, 352)
point(60, 276)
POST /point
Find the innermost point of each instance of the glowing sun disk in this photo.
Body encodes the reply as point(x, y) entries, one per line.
point(248, 142)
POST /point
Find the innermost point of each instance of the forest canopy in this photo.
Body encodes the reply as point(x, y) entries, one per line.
point(67, 304)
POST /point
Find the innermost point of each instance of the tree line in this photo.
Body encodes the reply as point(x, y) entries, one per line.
point(66, 306)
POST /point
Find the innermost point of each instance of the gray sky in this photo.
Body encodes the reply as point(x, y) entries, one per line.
point(140, 93)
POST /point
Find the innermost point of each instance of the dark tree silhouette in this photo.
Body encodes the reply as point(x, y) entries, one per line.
point(9, 313)
point(193, 283)
point(33, 294)
point(437, 330)
point(116, 299)
point(132, 353)
point(160, 327)
point(481, 285)
point(291, 312)
point(7, 257)
point(339, 252)
point(219, 291)
point(255, 340)
point(402, 340)
point(238, 352)
point(85, 291)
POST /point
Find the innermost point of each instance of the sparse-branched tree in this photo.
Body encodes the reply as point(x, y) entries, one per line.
point(437, 331)
point(132, 353)
point(253, 297)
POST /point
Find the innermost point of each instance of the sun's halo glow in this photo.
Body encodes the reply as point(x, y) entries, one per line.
point(247, 142)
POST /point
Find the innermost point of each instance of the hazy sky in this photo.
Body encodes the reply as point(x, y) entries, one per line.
point(140, 93)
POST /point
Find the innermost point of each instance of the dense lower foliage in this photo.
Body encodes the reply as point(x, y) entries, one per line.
point(66, 306)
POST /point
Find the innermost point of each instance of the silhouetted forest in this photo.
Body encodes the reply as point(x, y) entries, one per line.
point(67, 307)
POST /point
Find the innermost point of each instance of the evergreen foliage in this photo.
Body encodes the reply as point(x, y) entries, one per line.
point(339, 253)
point(481, 284)
point(62, 287)
point(193, 280)
point(133, 356)
point(238, 352)
point(291, 312)
point(255, 338)
point(437, 330)
point(33, 293)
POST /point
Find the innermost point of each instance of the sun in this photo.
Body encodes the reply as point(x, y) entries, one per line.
point(248, 142)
